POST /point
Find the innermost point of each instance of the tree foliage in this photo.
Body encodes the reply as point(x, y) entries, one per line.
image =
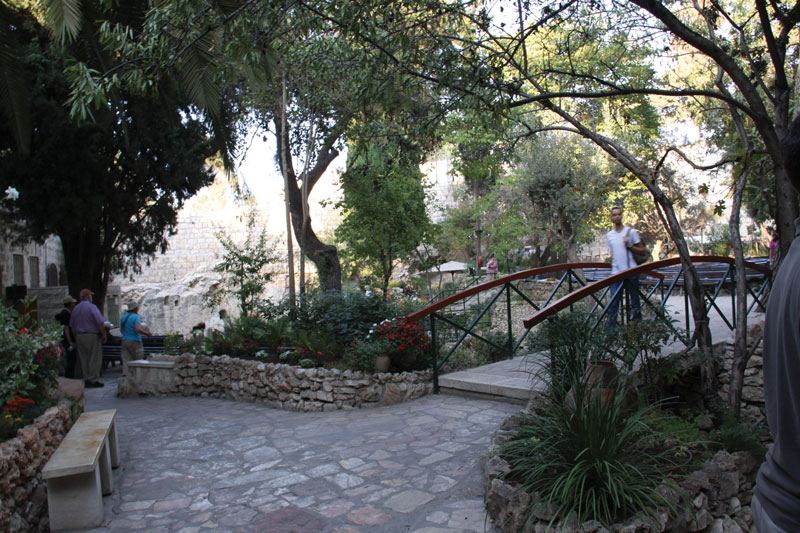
point(111, 188)
point(383, 207)
point(566, 185)
point(244, 267)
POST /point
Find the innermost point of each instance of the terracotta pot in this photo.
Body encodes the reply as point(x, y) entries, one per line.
point(602, 373)
point(382, 364)
point(600, 377)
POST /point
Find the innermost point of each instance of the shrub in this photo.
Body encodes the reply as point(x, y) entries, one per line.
point(173, 342)
point(740, 435)
point(490, 352)
point(29, 364)
point(593, 457)
point(362, 353)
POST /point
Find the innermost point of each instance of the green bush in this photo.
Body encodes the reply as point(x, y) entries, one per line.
point(29, 365)
point(487, 352)
point(362, 353)
point(740, 435)
point(593, 456)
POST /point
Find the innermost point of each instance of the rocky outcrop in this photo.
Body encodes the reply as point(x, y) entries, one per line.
point(23, 496)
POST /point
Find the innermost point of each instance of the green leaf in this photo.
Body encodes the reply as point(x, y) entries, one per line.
point(63, 17)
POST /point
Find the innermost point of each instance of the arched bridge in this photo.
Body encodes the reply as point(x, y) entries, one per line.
point(514, 304)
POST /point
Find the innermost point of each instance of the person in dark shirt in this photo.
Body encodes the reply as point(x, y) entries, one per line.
point(68, 341)
point(776, 498)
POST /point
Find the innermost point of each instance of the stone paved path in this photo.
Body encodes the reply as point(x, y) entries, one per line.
point(202, 464)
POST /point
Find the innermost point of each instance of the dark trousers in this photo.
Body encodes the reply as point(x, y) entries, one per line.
point(631, 286)
point(72, 362)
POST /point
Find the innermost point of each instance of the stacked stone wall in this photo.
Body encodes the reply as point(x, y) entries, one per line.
point(23, 496)
point(294, 388)
point(753, 406)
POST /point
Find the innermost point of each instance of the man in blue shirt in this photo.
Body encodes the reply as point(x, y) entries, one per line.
point(132, 330)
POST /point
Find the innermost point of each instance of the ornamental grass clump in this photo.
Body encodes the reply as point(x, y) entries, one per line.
point(592, 449)
point(593, 456)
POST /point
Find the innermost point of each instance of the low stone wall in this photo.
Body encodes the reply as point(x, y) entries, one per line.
point(23, 496)
point(282, 386)
point(720, 495)
point(753, 406)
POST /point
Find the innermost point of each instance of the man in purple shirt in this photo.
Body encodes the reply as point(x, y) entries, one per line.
point(88, 324)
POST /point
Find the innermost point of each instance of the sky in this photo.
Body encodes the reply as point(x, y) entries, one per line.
point(257, 170)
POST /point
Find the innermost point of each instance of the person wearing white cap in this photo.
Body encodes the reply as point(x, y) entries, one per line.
point(132, 330)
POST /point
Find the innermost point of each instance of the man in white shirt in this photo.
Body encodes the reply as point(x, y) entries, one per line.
point(622, 240)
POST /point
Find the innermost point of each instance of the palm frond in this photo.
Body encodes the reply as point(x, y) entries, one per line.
point(63, 18)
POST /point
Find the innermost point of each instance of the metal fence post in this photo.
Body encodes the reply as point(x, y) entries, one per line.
point(434, 351)
point(508, 308)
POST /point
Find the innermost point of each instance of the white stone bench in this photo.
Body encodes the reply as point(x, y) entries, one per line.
point(79, 472)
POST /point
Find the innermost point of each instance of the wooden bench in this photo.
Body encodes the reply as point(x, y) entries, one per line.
point(78, 474)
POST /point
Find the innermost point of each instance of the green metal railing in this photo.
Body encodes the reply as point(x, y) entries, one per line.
point(582, 281)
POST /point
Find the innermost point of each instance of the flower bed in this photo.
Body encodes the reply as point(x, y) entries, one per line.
point(719, 493)
point(23, 499)
point(716, 497)
point(285, 386)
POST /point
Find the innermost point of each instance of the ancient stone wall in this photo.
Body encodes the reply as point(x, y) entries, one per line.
point(23, 496)
point(171, 286)
point(291, 387)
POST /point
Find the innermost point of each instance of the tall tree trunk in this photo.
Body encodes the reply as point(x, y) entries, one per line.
point(740, 352)
point(84, 270)
point(283, 158)
point(324, 256)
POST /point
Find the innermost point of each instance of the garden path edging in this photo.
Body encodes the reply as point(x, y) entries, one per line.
point(276, 385)
point(23, 496)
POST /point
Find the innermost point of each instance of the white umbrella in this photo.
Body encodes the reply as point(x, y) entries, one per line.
point(451, 266)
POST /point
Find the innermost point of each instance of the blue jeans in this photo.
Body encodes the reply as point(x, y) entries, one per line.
point(632, 288)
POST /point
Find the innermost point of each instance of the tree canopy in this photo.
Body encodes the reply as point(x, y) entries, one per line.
point(109, 188)
point(383, 206)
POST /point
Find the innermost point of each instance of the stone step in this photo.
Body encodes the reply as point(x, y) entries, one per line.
point(513, 380)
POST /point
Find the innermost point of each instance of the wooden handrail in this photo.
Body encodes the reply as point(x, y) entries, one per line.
point(591, 288)
point(441, 304)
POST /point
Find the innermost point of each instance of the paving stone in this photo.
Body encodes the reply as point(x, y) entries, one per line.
point(368, 516)
point(408, 500)
point(205, 464)
point(171, 505)
point(435, 458)
point(346, 481)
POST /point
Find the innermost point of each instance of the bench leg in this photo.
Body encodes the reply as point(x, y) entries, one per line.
point(75, 502)
point(104, 465)
point(112, 444)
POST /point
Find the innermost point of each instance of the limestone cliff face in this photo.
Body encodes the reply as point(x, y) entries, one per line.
point(171, 287)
